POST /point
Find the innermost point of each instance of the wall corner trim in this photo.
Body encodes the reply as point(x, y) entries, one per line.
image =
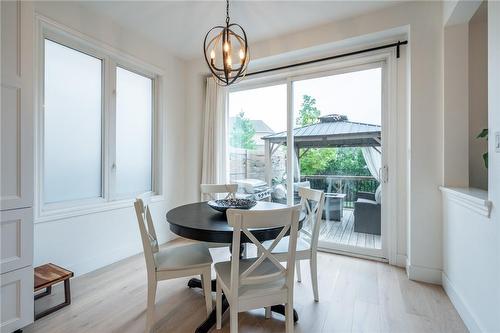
point(460, 305)
point(474, 199)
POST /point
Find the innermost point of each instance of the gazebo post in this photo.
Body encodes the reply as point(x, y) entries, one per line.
point(268, 161)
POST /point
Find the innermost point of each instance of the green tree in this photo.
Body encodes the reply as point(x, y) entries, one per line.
point(242, 133)
point(308, 113)
point(348, 162)
point(315, 160)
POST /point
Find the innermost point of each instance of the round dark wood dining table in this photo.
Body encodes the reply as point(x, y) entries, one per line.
point(198, 221)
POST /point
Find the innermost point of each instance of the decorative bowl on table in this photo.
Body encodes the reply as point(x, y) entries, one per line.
point(225, 204)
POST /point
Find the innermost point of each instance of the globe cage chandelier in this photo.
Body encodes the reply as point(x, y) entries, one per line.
point(225, 41)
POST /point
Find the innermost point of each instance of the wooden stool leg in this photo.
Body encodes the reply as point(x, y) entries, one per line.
point(67, 292)
point(67, 301)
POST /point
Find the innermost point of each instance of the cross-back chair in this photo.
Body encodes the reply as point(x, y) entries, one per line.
point(312, 202)
point(262, 281)
point(171, 261)
point(212, 190)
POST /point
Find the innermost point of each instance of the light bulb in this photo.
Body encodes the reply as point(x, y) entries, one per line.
point(242, 54)
point(212, 54)
point(229, 62)
point(226, 46)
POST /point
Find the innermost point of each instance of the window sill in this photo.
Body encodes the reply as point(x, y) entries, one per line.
point(472, 198)
point(59, 214)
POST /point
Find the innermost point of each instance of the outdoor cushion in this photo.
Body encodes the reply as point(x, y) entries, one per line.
point(366, 201)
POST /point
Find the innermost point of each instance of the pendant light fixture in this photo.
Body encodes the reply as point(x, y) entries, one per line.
point(226, 51)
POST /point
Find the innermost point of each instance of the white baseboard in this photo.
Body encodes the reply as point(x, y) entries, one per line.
point(423, 274)
point(460, 305)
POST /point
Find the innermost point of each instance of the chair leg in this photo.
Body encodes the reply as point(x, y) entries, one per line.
point(289, 315)
point(207, 289)
point(152, 285)
point(218, 305)
point(314, 277)
point(268, 312)
point(233, 312)
point(299, 275)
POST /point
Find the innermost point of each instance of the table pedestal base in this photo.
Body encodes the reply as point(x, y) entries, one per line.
point(211, 319)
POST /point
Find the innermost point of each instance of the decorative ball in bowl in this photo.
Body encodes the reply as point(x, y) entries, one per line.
point(225, 204)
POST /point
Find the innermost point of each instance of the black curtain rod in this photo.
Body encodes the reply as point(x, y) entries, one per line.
point(387, 46)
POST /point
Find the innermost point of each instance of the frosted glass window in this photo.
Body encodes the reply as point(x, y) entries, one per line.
point(72, 124)
point(134, 111)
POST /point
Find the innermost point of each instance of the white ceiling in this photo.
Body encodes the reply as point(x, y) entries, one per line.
point(180, 26)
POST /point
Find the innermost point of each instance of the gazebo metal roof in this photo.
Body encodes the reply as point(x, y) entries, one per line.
point(332, 131)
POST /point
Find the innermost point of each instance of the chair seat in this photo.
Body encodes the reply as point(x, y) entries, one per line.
point(183, 257)
point(223, 270)
point(282, 247)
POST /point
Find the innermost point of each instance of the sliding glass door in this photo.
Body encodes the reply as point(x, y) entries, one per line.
point(338, 149)
point(321, 129)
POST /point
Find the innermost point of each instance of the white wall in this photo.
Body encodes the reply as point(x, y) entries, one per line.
point(456, 106)
point(423, 22)
point(478, 96)
point(87, 242)
point(470, 275)
point(471, 268)
point(493, 321)
point(195, 103)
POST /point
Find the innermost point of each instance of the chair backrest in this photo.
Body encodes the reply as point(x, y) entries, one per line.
point(148, 234)
point(211, 190)
point(312, 201)
point(241, 220)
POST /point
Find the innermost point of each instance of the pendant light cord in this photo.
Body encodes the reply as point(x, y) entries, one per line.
point(227, 12)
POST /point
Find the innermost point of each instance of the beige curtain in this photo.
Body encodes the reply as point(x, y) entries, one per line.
point(214, 134)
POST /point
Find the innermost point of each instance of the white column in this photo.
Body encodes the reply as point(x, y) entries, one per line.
point(290, 146)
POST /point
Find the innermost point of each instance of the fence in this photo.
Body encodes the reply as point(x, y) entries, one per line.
point(348, 185)
point(246, 163)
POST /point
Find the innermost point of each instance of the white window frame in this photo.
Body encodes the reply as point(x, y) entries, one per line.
point(111, 58)
point(385, 59)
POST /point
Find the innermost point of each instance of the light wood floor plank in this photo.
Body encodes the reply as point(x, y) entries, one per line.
point(356, 295)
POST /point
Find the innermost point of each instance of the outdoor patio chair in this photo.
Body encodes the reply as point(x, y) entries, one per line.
point(367, 214)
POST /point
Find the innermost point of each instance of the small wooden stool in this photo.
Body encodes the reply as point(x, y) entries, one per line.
point(45, 277)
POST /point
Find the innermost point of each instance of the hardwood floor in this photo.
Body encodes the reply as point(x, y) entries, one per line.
point(342, 232)
point(356, 295)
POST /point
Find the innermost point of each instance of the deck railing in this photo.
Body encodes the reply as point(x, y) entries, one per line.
point(348, 185)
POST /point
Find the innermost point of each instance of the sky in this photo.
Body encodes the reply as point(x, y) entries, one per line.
point(358, 95)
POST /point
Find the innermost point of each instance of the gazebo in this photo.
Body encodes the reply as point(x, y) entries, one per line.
point(331, 131)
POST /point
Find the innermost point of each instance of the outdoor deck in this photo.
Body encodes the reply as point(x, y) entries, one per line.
point(343, 233)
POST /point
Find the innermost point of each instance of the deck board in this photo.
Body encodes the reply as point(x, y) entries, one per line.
point(342, 232)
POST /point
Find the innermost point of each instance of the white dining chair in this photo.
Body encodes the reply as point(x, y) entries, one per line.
point(212, 190)
point(262, 281)
point(171, 261)
point(312, 202)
